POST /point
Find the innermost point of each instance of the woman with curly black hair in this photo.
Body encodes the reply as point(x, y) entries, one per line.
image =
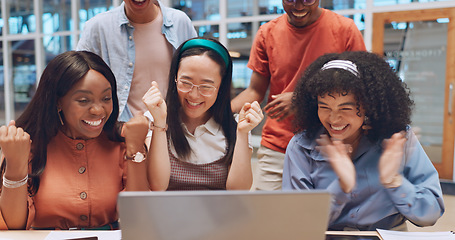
point(352, 116)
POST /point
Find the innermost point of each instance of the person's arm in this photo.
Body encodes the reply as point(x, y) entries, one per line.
point(158, 163)
point(340, 161)
point(15, 145)
point(135, 131)
point(280, 107)
point(255, 92)
point(417, 194)
point(298, 173)
point(87, 41)
point(240, 174)
point(355, 40)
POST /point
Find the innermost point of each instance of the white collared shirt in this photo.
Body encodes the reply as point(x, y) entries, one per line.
point(208, 142)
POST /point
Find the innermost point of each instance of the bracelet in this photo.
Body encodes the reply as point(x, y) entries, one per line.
point(152, 127)
point(394, 182)
point(14, 184)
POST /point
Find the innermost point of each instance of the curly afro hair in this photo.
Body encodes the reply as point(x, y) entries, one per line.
point(379, 90)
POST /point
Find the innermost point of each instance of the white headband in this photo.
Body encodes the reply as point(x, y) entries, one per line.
point(342, 64)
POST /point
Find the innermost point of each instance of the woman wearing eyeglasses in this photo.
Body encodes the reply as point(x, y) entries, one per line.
point(207, 148)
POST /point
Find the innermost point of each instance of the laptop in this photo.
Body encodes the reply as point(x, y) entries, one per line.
point(223, 215)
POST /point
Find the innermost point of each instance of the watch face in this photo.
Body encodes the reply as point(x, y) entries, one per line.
point(139, 157)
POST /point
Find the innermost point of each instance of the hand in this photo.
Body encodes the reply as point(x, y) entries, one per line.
point(249, 117)
point(156, 104)
point(15, 144)
point(390, 161)
point(280, 107)
point(337, 154)
point(135, 131)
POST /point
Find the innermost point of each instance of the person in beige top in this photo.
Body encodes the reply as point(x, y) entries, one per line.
point(137, 40)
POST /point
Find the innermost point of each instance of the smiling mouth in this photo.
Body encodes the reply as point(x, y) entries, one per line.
point(299, 15)
point(338, 128)
point(138, 1)
point(94, 123)
point(193, 103)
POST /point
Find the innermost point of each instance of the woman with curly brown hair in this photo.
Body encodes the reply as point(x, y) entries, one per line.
point(354, 140)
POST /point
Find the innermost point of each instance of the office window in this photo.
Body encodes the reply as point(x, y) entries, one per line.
point(199, 9)
point(54, 45)
point(270, 7)
point(359, 20)
point(2, 91)
point(21, 19)
point(208, 31)
point(342, 4)
point(395, 2)
point(24, 73)
point(1, 21)
point(57, 16)
point(90, 8)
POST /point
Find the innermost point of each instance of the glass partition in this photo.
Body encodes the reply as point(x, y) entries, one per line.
point(417, 50)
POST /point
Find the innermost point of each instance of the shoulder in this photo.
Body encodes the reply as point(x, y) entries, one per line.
point(274, 28)
point(101, 18)
point(301, 140)
point(105, 22)
point(274, 24)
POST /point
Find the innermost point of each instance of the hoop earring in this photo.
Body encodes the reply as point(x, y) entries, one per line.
point(59, 116)
point(366, 124)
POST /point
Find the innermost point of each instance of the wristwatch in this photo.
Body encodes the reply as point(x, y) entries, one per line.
point(137, 157)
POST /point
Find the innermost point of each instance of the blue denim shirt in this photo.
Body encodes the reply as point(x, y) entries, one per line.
point(369, 205)
point(110, 35)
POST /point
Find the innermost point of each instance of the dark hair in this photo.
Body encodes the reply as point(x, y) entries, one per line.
point(40, 119)
point(378, 89)
point(221, 109)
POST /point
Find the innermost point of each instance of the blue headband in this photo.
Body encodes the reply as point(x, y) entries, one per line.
point(204, 43)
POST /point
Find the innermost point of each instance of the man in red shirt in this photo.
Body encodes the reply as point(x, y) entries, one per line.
point(281, 51)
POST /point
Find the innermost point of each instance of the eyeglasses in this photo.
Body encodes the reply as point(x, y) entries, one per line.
point(304, 2)
point(185, 86)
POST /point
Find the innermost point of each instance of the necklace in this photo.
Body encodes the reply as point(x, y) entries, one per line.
point(353, 146)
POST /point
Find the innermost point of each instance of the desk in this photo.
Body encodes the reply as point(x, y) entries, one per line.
point(41, 235)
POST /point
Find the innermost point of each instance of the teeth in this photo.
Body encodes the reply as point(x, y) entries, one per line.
point(300, 14)
point(139, 0)
point(338, 128)
point(94, 123)
point(193, 103)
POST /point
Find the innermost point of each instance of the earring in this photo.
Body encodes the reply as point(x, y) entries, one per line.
point(366, 124)
point(59, 116)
